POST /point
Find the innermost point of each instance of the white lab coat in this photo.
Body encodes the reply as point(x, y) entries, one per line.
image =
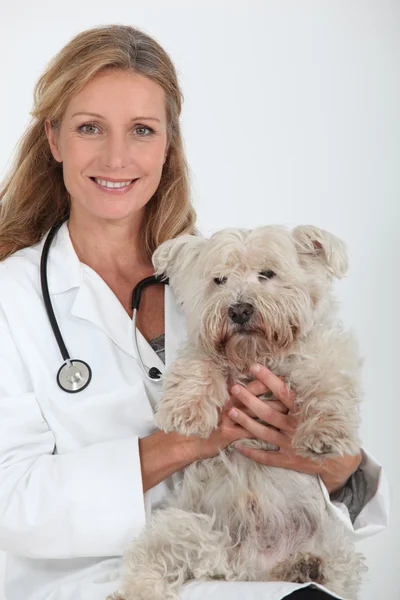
point(70, 480)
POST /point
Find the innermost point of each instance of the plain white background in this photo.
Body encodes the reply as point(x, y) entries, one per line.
point(290, 116)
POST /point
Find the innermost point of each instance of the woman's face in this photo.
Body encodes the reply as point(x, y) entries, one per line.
point(114, 131)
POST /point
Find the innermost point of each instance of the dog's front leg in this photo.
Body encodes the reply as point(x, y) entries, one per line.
point(328, 423)
point(328, 392)
point(325, 435)
point(195, 391)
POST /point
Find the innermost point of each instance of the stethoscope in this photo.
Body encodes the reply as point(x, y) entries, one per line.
point(74, 375)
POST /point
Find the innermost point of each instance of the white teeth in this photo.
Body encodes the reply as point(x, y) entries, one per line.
point(112, 184)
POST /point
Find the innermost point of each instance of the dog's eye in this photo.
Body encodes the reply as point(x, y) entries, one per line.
point(266, 274)
point(220, 280)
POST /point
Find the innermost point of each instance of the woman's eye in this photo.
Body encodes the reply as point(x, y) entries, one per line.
point(220, 280)
point(87, 128)
point(91, 128)
point(266, 274)
point(142, 128)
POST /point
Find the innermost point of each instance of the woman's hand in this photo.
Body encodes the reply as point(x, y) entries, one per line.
point(228, 431)
point(197, 448)
point(334, 472)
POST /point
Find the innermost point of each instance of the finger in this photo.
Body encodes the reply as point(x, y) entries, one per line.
point(277, 405)
point(248, 412)
point(263, 432)
point(233, 402)
point(275, 384)
point(273, 404)
point(264, 411)
point(227, 422)
point(271, 458)
point(257, 387)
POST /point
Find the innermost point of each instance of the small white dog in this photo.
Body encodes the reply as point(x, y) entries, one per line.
point(261, 295)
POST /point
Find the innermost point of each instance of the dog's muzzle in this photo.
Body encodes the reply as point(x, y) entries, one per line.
point(240, 313)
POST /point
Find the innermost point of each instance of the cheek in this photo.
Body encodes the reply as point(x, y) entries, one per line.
point(76, 158)
point(151, 160)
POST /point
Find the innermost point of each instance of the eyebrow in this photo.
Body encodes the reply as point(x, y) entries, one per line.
point(101, 117)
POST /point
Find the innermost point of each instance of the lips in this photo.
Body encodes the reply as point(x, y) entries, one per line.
point(114, 186)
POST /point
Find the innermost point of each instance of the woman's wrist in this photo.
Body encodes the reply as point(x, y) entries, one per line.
point(336, 487)
point(162, 454)
point(185, 449)
point(336, 479)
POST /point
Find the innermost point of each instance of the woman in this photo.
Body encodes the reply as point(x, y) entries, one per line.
point(81, 472)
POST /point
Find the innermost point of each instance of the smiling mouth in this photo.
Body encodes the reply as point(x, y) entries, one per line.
point(106, 183)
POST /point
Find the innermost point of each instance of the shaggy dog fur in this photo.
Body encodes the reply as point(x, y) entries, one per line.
point(264, 296)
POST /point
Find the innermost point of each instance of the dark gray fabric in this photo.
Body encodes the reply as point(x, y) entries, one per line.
point(158, 345)
point(352, 495)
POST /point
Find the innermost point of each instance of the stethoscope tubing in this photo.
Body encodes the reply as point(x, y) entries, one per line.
point(74, 375)
point(136, 295)
point(46, 295)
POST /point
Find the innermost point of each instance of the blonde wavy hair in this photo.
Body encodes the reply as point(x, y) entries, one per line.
point(33, 196)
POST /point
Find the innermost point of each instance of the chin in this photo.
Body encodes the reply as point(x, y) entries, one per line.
point(115, 209)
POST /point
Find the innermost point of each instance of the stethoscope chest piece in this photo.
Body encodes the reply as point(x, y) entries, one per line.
point(74, 375)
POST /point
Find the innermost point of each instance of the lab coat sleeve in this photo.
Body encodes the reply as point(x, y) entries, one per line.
point(84, 503)
point(374, 514)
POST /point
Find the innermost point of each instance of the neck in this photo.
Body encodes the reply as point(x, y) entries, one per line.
point(107, 245)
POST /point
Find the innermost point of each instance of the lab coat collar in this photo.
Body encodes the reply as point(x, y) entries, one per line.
point(95, 302)
point(64, 269)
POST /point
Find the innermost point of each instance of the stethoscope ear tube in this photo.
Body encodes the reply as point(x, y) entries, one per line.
point(153, 374)
point(46, 295)
point(137, 292)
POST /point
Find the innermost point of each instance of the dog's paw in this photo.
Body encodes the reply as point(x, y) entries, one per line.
point(323, 442)
point(310, 569)
point(302, 568)
point(189, 419)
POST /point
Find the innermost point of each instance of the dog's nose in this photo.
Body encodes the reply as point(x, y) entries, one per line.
point(240, 313)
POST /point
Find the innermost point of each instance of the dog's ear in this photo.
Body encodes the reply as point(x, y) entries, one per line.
point(177, 255)
point(318, 247)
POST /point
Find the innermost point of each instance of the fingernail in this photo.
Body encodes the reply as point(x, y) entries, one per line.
point(233, 413)
point(236, 390)
point(238, 446)
point(255, 368)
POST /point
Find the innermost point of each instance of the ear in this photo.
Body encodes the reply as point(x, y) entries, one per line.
point(175, 257)
point(52, 137)
point(316, 246)
point(166, 154)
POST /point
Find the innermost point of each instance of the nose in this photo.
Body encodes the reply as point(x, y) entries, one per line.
point(117, 151)
point(240, 313)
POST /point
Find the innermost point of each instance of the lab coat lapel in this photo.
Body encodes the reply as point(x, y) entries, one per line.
point(97, 303)
point(94, 300)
